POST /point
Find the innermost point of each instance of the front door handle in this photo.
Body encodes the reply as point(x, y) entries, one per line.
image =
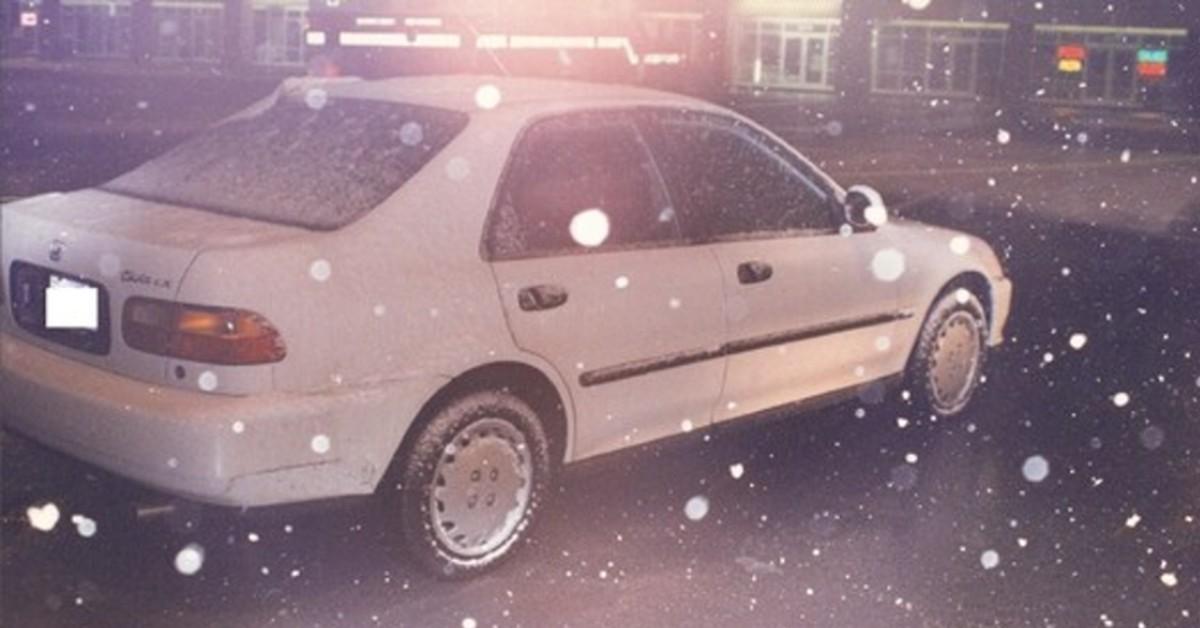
point(543, 297)
point(754, 272)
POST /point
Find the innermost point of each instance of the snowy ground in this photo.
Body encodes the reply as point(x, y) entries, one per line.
point(827, 519)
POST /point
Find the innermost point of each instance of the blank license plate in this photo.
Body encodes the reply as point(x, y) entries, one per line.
point(71, 305)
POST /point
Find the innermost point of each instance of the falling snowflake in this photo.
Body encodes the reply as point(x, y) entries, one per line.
point(316, 98)
point(320, 270)
point(888, 265)
point(44, 517)
point(989, 559)
point(411, 133)
point(207, 381)
point(458, 169)
point(960, 244)
point(589, 228)
point(1035, 469)
point(1120, 399)
point(696, 508)
point(1077, 341)
point(876, 215)
point(190, 559)
point(488, 96)
point(1152, 437)
point(85, 526)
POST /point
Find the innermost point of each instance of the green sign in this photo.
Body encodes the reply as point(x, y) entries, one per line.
point(1152, 55)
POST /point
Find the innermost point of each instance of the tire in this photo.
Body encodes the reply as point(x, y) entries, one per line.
point(471, 483)
point(950, 354)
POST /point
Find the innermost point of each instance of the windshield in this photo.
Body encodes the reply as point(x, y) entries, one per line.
point(319, 164)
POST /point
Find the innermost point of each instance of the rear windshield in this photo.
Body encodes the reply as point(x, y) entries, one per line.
point(318, 165)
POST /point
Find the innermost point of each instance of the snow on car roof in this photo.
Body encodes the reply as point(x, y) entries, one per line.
point(471, 93)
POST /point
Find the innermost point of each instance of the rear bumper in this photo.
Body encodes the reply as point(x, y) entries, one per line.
point(1002, 292)
point(234, 451)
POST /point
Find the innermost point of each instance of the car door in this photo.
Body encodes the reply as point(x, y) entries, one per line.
point(594, 278)
point(805, 315)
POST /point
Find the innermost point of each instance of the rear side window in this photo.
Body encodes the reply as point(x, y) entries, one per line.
point(577, 183)
point(315, 167)
point(731, 180)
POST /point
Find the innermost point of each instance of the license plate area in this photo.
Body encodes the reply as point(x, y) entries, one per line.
point(60, 307)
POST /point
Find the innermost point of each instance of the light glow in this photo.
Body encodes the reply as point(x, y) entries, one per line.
point(400, 40)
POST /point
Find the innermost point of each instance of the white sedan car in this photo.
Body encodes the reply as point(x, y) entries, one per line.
point(439, 289)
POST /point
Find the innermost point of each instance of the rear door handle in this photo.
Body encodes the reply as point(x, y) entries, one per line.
point(754, 272)
point(543, 297)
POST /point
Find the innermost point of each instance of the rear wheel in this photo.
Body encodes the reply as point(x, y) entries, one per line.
point(472, 481)
point(949, 357)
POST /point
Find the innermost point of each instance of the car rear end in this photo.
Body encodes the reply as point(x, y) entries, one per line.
point(171, 326)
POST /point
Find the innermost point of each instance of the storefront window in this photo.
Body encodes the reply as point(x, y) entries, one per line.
point(791, 54)
point(1106, 69)
point(942, 59)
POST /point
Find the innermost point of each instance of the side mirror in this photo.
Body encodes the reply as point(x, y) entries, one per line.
point(865, 207)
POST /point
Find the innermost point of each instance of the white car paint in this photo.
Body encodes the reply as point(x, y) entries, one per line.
point(381, 314)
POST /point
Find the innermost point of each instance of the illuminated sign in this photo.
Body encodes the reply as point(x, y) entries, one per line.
point(29, 18)
point(1072, 51)
point(1071, 58)
point(1152, 63)
point(1150, 55)
point(1070, 66)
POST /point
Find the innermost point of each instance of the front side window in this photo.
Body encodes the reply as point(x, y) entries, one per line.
point(730, 180)
point(578, 183)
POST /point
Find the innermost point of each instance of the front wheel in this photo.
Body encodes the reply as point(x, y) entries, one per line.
point(472, 482)
point(948, 360)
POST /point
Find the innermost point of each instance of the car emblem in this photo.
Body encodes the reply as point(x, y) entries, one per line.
point(56, 250)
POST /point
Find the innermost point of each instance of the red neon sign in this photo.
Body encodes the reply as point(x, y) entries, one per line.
point(1074, 52)
point(1152, 70)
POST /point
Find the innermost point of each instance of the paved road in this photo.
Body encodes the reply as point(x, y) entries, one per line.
point(861, 515)
point(835, 521)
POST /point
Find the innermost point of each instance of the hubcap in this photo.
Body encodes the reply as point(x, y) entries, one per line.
point(954, 362)
point(481, 487)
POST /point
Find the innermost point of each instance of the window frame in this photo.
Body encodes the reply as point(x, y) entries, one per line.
point(621, 115)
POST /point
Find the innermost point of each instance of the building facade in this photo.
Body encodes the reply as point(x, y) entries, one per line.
point(1128, 55)
point(1124, 54)
point(188, 31)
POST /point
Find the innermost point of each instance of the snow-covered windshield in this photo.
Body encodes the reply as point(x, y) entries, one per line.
point(318, 163)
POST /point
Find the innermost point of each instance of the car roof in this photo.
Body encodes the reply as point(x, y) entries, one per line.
point(458, 92)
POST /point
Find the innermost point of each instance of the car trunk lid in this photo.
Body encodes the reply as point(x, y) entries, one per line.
point(115, 247)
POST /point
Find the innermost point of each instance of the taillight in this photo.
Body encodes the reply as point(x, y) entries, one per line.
point(213, 335)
